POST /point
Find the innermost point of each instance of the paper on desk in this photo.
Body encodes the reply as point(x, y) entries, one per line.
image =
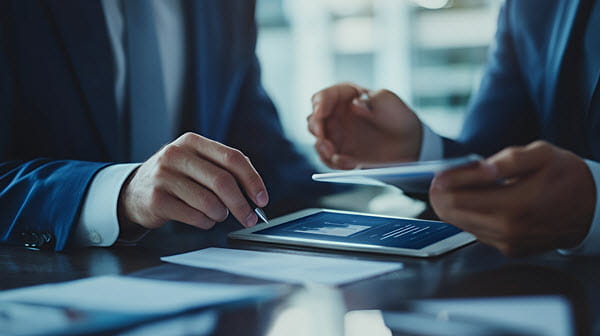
point(534, 315)
point(284, 267)
point(135, 295)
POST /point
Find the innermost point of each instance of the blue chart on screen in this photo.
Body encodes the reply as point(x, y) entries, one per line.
point(350, 228)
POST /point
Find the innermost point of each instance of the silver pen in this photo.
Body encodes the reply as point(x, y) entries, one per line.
point(261, 214)
point(258, 210)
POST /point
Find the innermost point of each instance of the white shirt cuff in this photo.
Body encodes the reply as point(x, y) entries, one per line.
point(99, 223)
point(432, 147)
point(591, 244)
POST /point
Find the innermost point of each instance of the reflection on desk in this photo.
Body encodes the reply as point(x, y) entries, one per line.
point(470, 272)
point(525, 316)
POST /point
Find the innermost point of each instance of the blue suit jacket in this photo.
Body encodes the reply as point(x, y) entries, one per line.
point(526, 91)
point(58, 119)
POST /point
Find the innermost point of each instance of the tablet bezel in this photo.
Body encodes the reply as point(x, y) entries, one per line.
point(435, 249)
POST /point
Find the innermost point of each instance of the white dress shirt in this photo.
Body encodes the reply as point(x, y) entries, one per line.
point(432, 149)
point(99, 224)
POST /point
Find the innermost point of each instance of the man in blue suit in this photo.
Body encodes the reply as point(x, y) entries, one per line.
point(88, 86)
point(536, 118)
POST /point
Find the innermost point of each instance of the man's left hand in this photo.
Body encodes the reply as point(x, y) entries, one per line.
point(522, 200)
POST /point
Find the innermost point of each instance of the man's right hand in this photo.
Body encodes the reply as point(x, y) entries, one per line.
point(192, 180)
point(351, 131)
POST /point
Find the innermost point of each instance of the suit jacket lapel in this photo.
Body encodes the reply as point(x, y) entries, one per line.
point(557, 46)
point(82, 27)
point(591, 53)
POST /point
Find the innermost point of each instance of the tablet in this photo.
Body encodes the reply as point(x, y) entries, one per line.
point(352, 231)
point(411, 176)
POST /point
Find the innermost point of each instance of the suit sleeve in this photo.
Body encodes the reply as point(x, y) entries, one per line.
point(40, 199)
point(502, 113)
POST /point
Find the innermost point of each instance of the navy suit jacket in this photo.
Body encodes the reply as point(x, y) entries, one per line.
point(58, 117)
point(527, 90)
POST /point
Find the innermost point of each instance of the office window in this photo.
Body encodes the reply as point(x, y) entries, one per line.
point(430, 52)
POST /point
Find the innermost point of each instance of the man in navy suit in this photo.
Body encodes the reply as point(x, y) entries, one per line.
point(536, 118)
point(87, 87)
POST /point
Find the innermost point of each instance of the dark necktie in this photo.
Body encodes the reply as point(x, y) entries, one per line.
point(149, 127)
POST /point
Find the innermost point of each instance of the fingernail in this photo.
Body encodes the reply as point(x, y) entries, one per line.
point(251, 220)
point(360, 103)
point(262, 199)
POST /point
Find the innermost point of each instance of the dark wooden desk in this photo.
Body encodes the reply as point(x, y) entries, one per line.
point(475, 270)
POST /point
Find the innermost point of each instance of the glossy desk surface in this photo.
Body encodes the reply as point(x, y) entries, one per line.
point(472, 271)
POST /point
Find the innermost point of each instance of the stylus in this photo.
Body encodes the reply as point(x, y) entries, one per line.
point(261, 214)
point(259, 211)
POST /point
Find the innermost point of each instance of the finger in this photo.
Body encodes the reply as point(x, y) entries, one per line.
point(325, 159)
point(344, 161)
point(325, 148)
point(477, 175)
point(514, 200)
point(234, 162)
point(175, 209)
point(332, 159)
point(224, 185)
point(518, 161)
point(313, 126)
point(479, 225)
point(196, 196)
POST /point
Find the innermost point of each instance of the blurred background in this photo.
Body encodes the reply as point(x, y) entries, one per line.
point(430, 52)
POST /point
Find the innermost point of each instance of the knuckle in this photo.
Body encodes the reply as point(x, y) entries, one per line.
point(316, 97)
point(223, 181)
point(513, 154)
point(233, 157)
point(383, 92)
point(188, 136)
point(170, 153)
point(160, 174)
point(540, 144)
point(543, 148)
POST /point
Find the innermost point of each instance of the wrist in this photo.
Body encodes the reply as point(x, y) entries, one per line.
point(128, 230)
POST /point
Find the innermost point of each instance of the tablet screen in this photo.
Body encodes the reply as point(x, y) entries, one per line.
point(361, 229)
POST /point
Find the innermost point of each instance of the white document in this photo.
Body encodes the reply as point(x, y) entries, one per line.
point(135, 295)
point(284, 267)
point(409, 176)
